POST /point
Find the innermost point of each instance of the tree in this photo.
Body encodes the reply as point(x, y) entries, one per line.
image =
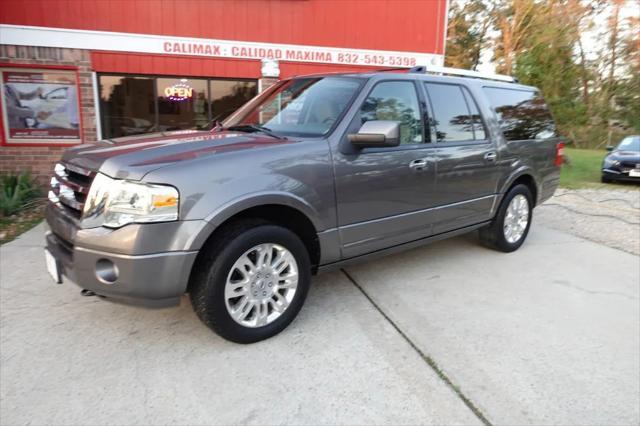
point(581, 14)
point(594, 95)
point(513, 20)
point(469, 23)
point(627, 88)
point(535, 43)
point(614, 86)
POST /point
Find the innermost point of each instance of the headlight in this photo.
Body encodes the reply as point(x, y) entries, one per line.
point(114, 202)
point(609, 162)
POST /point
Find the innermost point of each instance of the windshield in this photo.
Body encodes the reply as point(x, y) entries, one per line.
point(630, 143)
point(300, 107)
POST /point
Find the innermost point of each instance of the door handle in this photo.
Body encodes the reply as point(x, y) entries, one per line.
point(490, 156)
point(419, 164)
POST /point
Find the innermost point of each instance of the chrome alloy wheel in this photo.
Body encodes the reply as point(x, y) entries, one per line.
point(261, 285)
point(516, 219)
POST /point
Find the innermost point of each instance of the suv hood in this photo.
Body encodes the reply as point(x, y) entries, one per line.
point(134, 156)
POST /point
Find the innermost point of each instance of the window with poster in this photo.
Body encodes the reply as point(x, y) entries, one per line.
point(39, 106)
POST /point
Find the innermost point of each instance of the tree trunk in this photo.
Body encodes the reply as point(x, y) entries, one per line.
point(613, 44)
point(585, 79)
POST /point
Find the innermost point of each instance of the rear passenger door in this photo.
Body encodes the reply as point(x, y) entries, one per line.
point(466, 159)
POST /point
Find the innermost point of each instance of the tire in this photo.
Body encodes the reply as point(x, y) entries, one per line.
point(217, 269)
point(494, 235)
point(605, 179)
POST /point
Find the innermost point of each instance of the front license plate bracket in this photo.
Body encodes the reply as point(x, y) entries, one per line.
point(53, 267)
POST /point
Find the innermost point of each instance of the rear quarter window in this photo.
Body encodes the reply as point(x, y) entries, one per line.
point(522, 114)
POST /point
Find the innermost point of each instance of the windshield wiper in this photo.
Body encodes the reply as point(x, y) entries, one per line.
point(255, 128)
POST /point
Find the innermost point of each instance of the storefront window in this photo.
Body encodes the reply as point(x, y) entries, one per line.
point(182, 104)
point(127, 106)
point(134, 105)
point(228, 96)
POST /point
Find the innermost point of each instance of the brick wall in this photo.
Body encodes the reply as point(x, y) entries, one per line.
point(40, 160)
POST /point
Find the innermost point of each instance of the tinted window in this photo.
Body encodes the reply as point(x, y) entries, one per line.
point(182, 103)
point(229, 95)
point(453, 121)
point(476, 119)
point(127, 106)
point(395, 101)
point(522, 114)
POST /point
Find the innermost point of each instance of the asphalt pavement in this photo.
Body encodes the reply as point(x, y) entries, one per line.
point(451, 333)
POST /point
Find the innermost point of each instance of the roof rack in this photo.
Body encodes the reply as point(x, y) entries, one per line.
point(462, 72)
point(394, 69)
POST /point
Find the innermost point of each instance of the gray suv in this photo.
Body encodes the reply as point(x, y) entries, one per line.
point(312, 174)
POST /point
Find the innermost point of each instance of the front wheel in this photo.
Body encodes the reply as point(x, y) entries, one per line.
point(251, 281)
point(510, 226)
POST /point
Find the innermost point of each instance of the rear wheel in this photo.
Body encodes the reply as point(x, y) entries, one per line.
point(510, 226)
point(251, 282)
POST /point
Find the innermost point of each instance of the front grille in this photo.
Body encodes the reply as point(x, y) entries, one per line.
point(69, 188)
point(628, 165)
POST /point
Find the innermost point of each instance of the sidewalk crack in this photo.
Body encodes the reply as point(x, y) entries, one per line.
point(585, 290)
point(426, 358)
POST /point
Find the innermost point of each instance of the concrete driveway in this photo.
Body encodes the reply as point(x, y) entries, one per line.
point(451, 333)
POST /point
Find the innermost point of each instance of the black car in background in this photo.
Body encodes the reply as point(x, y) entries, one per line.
point(623, 162)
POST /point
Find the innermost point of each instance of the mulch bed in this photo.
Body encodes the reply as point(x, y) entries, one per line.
point(14, 225)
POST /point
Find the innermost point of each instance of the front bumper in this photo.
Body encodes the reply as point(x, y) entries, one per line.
point(151, 278)
point(619, 175)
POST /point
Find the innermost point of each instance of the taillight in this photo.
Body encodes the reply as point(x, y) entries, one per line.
point(559, 154)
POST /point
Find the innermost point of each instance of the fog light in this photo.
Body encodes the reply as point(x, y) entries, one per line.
point(106, 271)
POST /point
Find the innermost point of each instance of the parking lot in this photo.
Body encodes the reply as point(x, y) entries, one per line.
point(452, 333)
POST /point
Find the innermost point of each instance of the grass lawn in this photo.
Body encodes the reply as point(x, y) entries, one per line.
point(584, 170)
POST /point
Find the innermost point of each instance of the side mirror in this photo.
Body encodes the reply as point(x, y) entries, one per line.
point(609, 148)
point(377, 134)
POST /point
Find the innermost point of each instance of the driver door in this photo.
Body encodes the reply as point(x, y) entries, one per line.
point(383, 194)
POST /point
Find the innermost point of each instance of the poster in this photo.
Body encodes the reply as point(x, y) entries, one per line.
point(40, 106)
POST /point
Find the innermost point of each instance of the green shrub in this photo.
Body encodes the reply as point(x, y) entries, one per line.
point(16, 192)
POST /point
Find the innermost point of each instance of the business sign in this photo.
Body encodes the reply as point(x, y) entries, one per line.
point(179, 92)
point(39, 106)
point(182, 46)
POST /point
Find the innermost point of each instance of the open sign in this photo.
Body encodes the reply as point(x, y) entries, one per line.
point(179, 92)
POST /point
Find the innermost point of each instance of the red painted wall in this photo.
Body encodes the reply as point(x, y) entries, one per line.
point(403, 25)
point(409, 25)
point(198, 66)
